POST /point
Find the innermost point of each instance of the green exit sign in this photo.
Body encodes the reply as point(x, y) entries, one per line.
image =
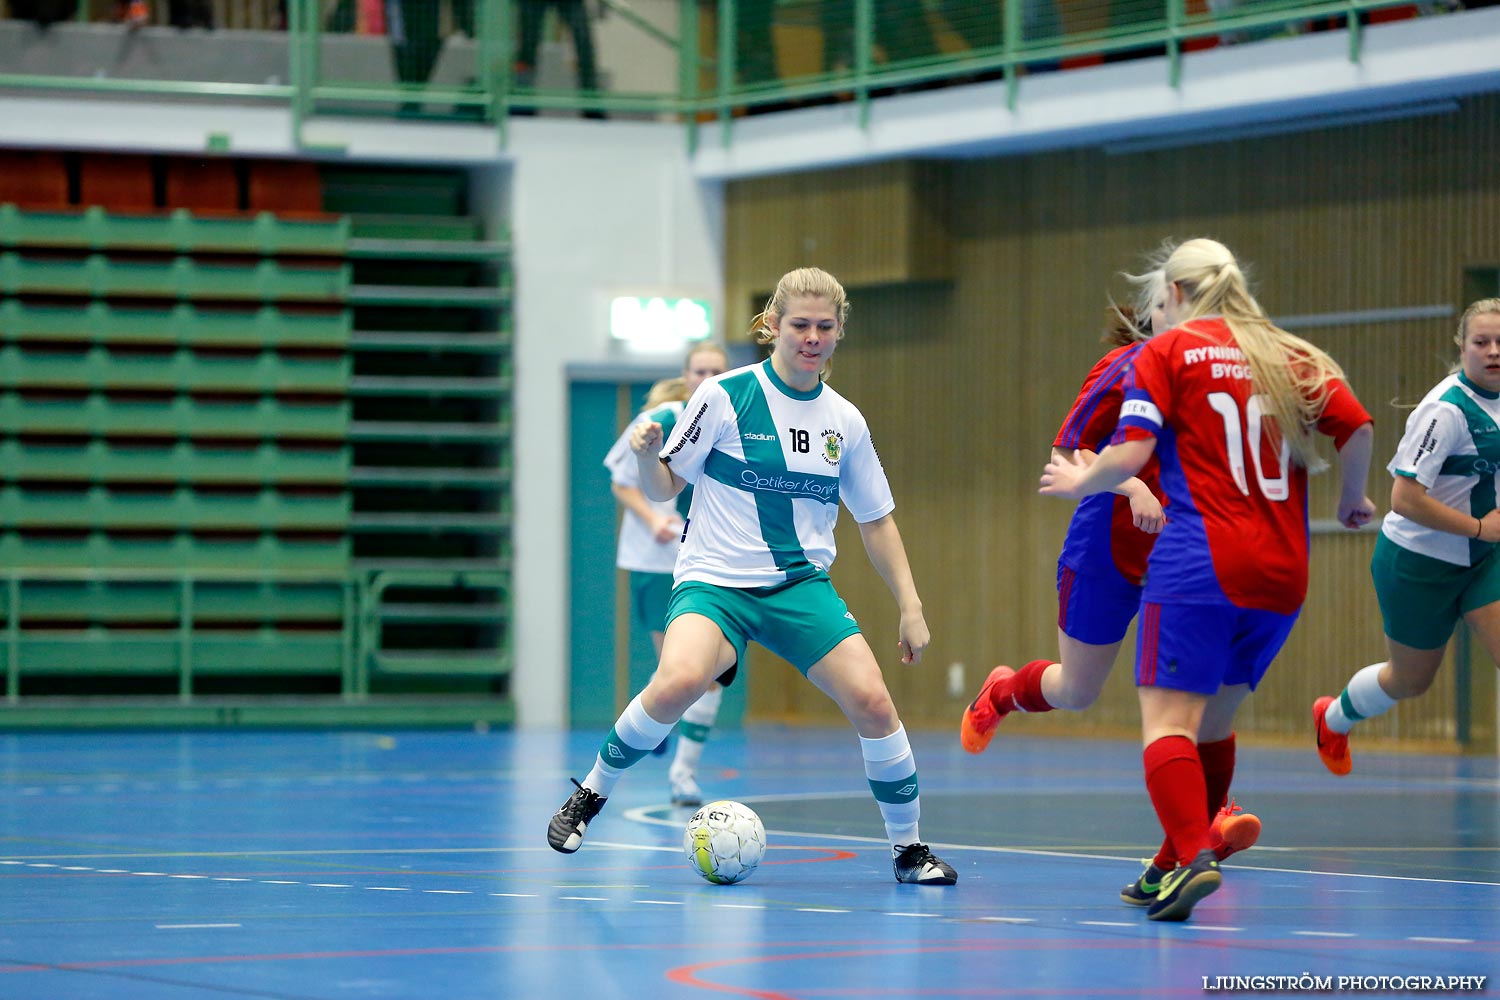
point(658, 323)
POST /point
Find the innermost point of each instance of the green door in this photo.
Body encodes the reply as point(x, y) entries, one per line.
point(606, 671)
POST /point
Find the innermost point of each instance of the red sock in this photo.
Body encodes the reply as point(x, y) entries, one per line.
point(1026, 687)
point(1174, 780)
point(1218, 772)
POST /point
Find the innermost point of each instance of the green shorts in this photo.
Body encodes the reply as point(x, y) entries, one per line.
point(800, 621)
point(649, 594)
point(1422, 598)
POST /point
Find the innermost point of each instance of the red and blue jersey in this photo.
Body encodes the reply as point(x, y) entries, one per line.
point(1102, 534)
point(1238, 527)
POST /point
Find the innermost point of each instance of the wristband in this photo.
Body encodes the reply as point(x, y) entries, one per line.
point(1478, 527)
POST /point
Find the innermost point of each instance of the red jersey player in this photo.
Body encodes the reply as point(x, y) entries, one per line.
point(1230, 405)
point(1103, 555)
point(1099, 573)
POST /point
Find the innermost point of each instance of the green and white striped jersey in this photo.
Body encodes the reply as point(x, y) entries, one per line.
point(638, 550)
point(769, 466)
point(1452, 447)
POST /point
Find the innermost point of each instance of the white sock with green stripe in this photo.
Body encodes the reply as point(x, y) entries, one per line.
point(633, 737)
point(697, 722)
point(892, 771)
point(1363, 698)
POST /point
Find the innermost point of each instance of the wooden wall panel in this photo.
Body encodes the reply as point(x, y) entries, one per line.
point(965, 381)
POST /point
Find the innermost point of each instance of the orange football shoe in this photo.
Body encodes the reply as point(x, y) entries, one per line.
point(982, 718)
point(1333, 748)
point(1233, 830)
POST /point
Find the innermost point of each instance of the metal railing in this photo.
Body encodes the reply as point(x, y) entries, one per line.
point(479, 60)
point(88, 626)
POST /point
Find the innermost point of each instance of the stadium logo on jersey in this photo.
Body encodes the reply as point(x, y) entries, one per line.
point(754, 436)
point(833, 447)
point(691, 434)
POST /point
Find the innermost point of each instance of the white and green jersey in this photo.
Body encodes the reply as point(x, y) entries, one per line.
point(769, 466)
point(1452, 447)
point(638, 549)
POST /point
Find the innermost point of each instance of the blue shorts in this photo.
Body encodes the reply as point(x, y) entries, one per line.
point(1095, 607)
point(1203, 647)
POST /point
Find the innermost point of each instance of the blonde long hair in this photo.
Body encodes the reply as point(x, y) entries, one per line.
point(803, 281)
point(667, 390)
point(1289, 373)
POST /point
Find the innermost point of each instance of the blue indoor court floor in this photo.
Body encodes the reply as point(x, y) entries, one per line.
point(412, 865)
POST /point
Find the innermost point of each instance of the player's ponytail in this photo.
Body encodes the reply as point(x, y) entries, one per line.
point(1291, 375)
point(1128, 324)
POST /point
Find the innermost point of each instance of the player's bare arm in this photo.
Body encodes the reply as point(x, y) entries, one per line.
point(663, 528)
point(657, 481)
point(1073, 477)
point(888, 555)
point(1146, 512)
point(1411, 500)
point(1355, 508)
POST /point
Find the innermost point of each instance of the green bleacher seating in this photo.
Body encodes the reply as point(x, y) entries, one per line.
point(185, 323)
point(209, 479)
point(178, 231)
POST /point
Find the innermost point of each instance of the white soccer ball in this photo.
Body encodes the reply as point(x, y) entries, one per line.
point(724, 842)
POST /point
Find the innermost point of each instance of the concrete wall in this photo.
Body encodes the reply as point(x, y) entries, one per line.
point(596, 210)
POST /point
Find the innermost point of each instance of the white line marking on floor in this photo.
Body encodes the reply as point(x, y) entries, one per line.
point(387, 888)
point(1211, 927)
point(449, 892)
point(187, 876)
point(187, 927)
point(818, 909)
point(157, 874)
point(587, 899)
point(894, 914)
point(229, 878)
point(658, 902)
point(634, 847)
point(644, 815)
point(1010, 920)
point(740, 906)
point(278, 881)
point(1437, 940)
point(76, 868)
point(1107, 923)
point(330, 885)
point(35, 864)
point(1332, 934)
point(516, 895)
